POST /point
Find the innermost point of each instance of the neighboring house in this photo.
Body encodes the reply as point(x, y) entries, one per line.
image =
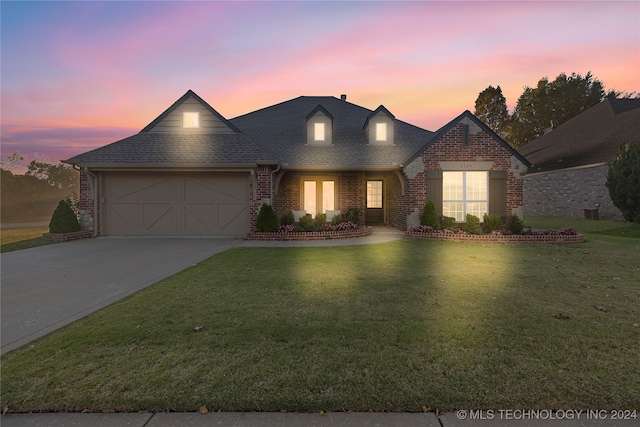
point(193, 172)
point(570, 163)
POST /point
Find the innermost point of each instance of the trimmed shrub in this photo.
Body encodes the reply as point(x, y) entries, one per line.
point(287, 219)
point(337, 219)
point(63, 219)
point(472, 224)
point(307, 223)
point(623, 182)
point(321, 220)
point(448, 222)
point(352, 215)
point(491, 223)
point(267, 221)
point(429, 215)
point(515, 225)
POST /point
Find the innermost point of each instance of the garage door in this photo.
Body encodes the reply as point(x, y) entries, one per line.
point(176, 204)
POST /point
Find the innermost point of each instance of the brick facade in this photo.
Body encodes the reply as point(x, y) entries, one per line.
point(458, 146)
point(568, 192)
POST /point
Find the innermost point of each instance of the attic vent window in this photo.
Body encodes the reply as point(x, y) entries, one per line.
point(319, 132)
point(381, 131)
point(190, 120)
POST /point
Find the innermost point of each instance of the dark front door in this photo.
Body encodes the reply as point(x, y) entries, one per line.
point(375, 206)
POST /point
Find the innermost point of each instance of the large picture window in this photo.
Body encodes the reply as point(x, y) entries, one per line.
point(464, 192)
point(318, 196)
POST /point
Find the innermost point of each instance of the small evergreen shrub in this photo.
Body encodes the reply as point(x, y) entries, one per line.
point(491, 223)
point(337, 219)
point(472, 224)
point(352, 215)
point(429, 215)
point(267, 221)
point(63, 219)
point(448, 223)
point(515, 225)
point(321, 220)
point(307, 223)
point(287, 219)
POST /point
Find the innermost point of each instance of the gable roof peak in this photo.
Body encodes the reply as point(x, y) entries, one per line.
point(189, 94)
point(321, 109)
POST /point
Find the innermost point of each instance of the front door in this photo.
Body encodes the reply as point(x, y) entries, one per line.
point(375, 207)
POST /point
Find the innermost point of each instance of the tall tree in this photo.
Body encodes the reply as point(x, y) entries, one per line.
point(552, 103)
point(491, 108)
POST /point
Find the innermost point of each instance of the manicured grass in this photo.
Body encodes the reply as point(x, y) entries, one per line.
point(23, 238)
point(397, 326)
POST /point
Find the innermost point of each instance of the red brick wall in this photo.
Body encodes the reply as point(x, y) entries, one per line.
point(481, 147)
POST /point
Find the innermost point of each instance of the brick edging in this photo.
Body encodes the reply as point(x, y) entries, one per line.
point(65, 237)
point(314, 235)
point(487, 238)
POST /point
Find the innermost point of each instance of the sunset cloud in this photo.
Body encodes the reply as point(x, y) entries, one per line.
point(77, 75)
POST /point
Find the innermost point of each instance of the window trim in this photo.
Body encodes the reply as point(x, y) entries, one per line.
point(319, 127)
point(197, 117)
point(381, 129)
point(465, 202)
point(319, 192)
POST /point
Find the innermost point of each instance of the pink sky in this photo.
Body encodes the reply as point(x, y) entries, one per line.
point(78, 75)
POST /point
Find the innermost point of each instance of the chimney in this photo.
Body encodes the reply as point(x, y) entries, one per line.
point(343, 97)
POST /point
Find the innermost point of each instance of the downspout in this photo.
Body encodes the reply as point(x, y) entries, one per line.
point(94, 194)
point(273, 172)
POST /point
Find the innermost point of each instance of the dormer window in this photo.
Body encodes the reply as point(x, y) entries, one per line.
point(319, 132)
point(190, 120)
point(379, 127)
point(319, 127)
point(381, 132)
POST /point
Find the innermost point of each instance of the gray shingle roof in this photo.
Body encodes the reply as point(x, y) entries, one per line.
point(281, 129)
point(159, 149)
point(592, 137)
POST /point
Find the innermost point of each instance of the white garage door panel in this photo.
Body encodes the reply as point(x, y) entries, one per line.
point(181, 204)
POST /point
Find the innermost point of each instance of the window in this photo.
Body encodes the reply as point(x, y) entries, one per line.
point(318, 132)
point(464, 193)
point(318, 193)
point(381, 131)
point(190, 119)
point(374, 194)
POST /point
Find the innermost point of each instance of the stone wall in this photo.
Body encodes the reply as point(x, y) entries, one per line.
point(568, 192)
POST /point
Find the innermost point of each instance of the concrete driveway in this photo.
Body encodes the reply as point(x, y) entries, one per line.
point(47, 287)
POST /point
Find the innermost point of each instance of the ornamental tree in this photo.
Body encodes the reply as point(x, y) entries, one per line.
point(623, 182)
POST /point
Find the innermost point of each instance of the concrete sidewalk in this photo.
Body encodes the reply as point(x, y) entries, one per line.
point(332, 419)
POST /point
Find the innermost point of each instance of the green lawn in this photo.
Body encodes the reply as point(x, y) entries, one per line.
point(396, 326)
point(23, 238)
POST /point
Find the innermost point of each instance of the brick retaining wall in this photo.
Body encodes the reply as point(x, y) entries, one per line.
point(315, 235)
point(487, 238)
point(65, 237)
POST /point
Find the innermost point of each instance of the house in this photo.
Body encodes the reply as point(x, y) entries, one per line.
point(193, 172)
point(570, 163)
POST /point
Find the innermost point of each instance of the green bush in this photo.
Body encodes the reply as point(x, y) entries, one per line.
point(491, 223)
point(337, 219)
point(353, 215)
point(515, 225)
point(429, 215)
point(623, 182)
point(63, 219)
point(267, 221)
point(307, 223)
point(448, 222)
point(321, 220)
point(472, 224)
point(287, 219)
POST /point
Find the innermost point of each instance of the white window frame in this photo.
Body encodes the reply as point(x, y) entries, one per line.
point(319, 131)
point(381, 131)
point(467, 199)
point(374, 194)
point(321, 203)
point(194, 115)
